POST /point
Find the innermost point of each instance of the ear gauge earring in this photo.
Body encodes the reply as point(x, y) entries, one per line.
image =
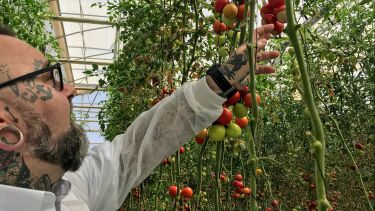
point(4, 145)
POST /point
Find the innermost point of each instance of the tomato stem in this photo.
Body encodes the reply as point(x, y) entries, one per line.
point(199, 167)
point(217, 175)
point(254, 109)
point(308, 97)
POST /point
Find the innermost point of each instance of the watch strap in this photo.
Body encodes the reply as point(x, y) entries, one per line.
point(221, 81)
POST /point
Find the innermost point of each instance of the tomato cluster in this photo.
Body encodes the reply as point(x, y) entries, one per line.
point(164, 92)
point(230, 14)
point(240, 190)
point(274, 13)
point(231, 122)
point(186, 192)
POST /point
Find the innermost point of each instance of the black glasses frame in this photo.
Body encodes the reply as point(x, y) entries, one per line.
point(36, 73)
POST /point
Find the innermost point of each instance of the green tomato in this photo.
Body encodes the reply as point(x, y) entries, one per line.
point(295, 70)
point(296, 78)
point(230, 34)
point(307, 112)
point(240, 110)
point(228, 22)
point(233, 130)
point(220, 40)
point(223, 51)
point(291, 50)
point(216, 132)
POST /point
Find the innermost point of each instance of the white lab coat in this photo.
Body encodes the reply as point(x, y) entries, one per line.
point(112, 169)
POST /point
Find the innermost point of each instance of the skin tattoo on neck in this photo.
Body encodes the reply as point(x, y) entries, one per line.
point(14, 172)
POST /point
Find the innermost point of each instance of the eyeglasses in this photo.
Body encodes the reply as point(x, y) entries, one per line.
point(55, 75)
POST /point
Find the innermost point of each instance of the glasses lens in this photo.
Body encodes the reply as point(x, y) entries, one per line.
point(57, 78)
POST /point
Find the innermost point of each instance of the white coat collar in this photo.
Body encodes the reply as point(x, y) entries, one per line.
point(18, 199)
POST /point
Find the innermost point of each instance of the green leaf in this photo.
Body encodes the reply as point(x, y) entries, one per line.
point(87, 72)
point(101, 82)
point(95, 67)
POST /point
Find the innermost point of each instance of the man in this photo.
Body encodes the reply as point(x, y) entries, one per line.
point(44, 164)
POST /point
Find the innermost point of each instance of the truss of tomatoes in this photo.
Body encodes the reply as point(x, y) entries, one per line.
point(231, 122)
point(272, 12)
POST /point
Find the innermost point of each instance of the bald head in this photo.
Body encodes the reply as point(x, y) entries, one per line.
point(17, 58)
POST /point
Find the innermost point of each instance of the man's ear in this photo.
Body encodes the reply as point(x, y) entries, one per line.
point(11, 137)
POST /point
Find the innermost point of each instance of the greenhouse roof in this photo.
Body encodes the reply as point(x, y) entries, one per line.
point(86, 38)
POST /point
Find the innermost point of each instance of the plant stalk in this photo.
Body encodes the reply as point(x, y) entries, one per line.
point(291, 30)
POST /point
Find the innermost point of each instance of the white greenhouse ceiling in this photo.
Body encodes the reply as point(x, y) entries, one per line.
point(86, 37)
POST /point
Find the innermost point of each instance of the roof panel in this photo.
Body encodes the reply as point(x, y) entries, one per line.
point(87, 42)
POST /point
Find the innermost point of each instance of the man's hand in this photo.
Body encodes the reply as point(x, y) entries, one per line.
point(236, 68)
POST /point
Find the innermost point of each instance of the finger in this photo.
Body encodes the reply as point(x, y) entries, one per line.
point(266, 55)
point(261, 69)
point(264, 31)
point(261, 43)
point(244, 81)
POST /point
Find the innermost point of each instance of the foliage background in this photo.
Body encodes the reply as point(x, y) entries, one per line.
point(175, 40)
point(168, 42)
point(28, 20)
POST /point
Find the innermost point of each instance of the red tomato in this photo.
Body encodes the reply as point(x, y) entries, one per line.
point(242, 122)
point(268, 209)
point(164, 90)
point(165, 162)
point(248, 101)
point(182, 150)
point(275, 203)
point(244, 91)
point(223, 27)
point(312, 205)
point(225, 117)
point(278, 27)
point(238, 177)
point(172, 190)
point(220, 4)
point(266, 9)
point(276, 3)
point(199, 140)
point(246, 191)
point(234, 99)
point(269, 18)
point(217, 27)
point(238, 184)
point(187, 192)
point(241, 11)
point(203, 133)
point(359, 146)
point(236, 195)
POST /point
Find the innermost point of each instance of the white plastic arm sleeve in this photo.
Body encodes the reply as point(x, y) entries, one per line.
point(113, 168)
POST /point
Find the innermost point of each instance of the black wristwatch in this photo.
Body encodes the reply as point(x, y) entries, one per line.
point(221, 81)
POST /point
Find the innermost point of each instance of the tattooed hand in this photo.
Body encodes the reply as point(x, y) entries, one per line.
point(236, 69)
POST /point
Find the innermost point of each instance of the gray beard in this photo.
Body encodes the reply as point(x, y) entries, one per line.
point(68, 150)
